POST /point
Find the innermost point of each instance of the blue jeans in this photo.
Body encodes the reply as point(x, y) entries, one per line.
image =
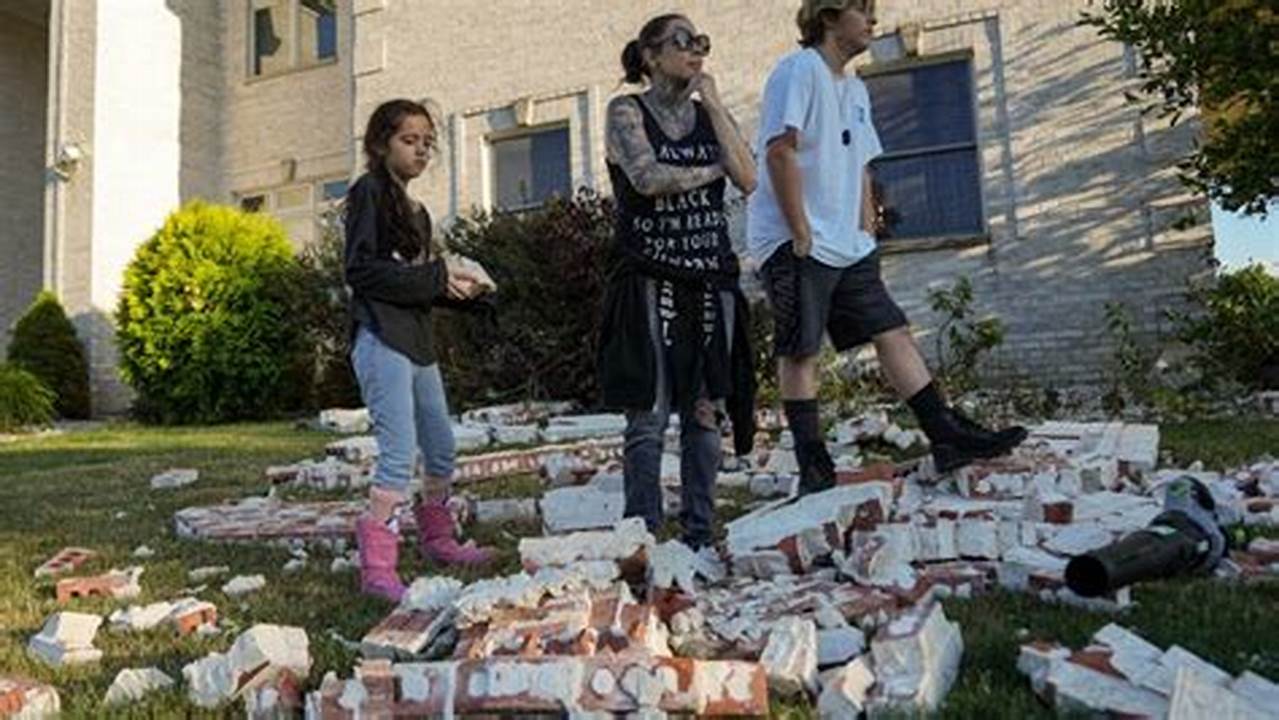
point(700, 449)
point(409, 409)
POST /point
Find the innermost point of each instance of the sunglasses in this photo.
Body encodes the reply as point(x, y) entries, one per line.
point(686, 41)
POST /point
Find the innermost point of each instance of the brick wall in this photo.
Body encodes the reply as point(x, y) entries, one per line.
point(22, 132)
point(1077, 195)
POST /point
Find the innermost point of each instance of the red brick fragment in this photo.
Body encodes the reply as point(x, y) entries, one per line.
point(107, 586)
point(1059, 513)
point(67, 559)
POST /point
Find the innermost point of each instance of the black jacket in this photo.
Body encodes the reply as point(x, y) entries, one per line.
point(390, 296)
point(627, 361)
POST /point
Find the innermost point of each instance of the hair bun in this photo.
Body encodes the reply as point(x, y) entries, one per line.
point(633, 63)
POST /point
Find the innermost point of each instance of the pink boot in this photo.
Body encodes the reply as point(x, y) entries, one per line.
point(437, 537)
point(379, 553)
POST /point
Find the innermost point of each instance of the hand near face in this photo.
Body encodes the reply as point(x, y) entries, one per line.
point(704, 85)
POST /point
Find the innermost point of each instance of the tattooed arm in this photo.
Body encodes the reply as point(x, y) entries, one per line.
point(738, 162)
point(628, 147)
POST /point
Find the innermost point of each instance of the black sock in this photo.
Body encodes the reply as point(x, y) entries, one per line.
point(930, 409)
point(804, 421)
point(816, 469)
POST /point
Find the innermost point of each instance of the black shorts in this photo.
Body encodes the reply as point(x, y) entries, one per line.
point(810, 299)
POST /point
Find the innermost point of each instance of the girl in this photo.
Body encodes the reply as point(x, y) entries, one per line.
point(395, 279)
point(674, 334)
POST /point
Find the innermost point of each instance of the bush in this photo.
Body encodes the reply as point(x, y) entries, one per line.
point(327, 318)
point(1234, 328)
point(550, 266)
point(962, 340)
point(44, 343)
point(24, 399)
point(208, 321)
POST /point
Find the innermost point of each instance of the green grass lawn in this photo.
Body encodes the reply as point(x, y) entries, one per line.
point(67, 490)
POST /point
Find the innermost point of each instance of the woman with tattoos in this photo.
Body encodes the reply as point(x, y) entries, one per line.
point(674, 334)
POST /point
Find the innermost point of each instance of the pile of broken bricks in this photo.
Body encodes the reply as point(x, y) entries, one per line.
point(1122, 675)
point(836, 596)
point(569, 634)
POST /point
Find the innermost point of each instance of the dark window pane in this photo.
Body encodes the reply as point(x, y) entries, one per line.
point(925, 106)
point(529, 170)
point(551, 165)
point(253, 203)
point(265, 41)
point(319, 16)
point(326, 42)
point(930, 195)
point(335, 189)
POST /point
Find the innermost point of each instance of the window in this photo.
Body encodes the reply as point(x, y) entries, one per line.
point(288, 34)
point(530, 169)
point(927, 178)
point(298, 207)
point(334, 190)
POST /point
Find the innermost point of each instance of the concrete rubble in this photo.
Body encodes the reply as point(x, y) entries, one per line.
point(133, 684)
point(847, 582)
point(118, 584)
point(844, 690)
point(185, 616)
point(25, 699)
point(916, 659)
point(1120, 673)
point(258, 658)
point(331, 473)
point(175, 478)
point(67, 639)
point(271, 520)
point(579, 686)
point(345, 421)
point(243, 585)
point(790, 657)
point(209, 572)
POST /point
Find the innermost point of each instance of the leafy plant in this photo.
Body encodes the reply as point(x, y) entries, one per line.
point(550, 266)
point(208, 319)
point(45, 344)
point(24, 399)
point(1220, 57)
point(961, 338)
point(1234, 327)
point(327, 317)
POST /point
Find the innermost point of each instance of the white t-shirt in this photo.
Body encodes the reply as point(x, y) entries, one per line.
point(802, 93)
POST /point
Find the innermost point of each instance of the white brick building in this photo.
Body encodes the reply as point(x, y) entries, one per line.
point(1012, 157)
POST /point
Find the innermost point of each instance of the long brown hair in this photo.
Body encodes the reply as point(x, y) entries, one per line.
point(395, 212)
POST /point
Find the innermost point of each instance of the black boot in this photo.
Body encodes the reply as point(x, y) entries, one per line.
point(965, 446)
point(1009, 437)
point(956, 439)
point(816, 469)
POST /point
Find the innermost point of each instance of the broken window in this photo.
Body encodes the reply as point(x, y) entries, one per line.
point(530, 169)
point(928, 178)
point(288, 34)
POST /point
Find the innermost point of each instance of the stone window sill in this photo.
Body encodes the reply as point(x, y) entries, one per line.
point(929, 244)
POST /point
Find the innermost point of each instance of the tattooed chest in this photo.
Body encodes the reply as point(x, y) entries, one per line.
point(675, 122)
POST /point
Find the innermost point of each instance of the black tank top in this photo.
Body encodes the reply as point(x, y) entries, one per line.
point(680, 236)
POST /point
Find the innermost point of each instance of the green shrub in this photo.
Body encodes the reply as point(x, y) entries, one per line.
point(1234, 327)
point(962, 339)
point(24, 399)
point(208, 323)
point(44, 343)
point(327, 318)
point(550, 266)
